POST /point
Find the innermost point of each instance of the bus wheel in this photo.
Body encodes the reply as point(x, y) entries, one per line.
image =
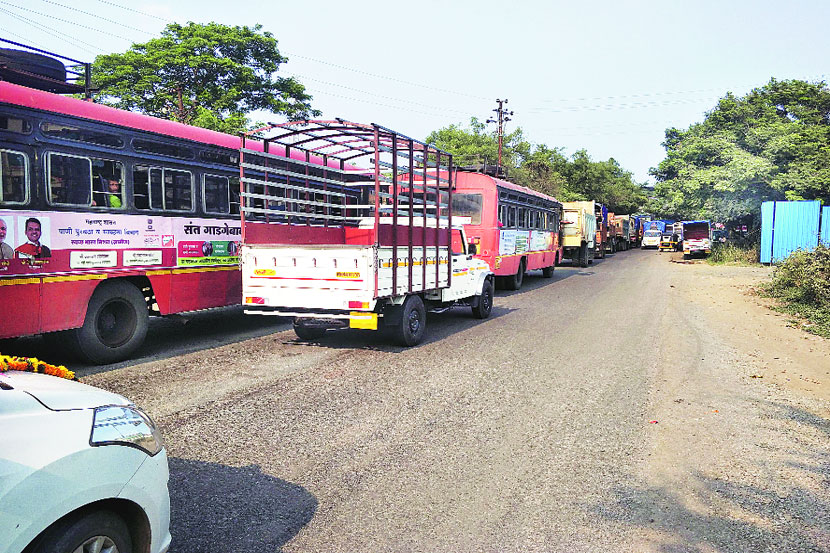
point(412, 326)
point(547, 272)
point(115, 324)
point(485, 301)
point(514, 282)
point(307, 333)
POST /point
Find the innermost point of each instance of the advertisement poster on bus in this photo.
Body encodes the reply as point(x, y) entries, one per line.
point(39, 242)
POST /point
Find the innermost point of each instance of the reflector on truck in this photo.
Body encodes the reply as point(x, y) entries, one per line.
point(367, 321)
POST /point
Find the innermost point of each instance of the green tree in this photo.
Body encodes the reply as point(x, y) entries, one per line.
point(206, 75)
point(474, 145)
point(772, 144)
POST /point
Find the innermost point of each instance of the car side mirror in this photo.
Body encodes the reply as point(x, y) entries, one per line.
point(472, 249)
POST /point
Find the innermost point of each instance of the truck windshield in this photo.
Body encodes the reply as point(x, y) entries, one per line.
point(651, 233)
point(467, 205)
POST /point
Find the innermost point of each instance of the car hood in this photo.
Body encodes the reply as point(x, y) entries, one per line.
point(60, 394)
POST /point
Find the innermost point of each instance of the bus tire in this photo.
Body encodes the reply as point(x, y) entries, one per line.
point(484, 305)
point(514, 282)
point(547, 272)
point(412, 326)
point(308, 333)
point(583, 255)
point(115, 324)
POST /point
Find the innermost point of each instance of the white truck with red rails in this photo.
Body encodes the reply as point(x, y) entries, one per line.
point(333, 244)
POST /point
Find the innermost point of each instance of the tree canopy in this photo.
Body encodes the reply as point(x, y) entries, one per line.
point(772, 144)
point(542, 167)
point(209, 75)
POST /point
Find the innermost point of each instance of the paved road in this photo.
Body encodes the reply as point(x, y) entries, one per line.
point(529, 431)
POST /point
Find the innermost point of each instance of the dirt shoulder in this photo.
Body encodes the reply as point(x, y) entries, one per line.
point(783, 355)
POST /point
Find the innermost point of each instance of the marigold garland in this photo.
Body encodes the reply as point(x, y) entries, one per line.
point(35, 365)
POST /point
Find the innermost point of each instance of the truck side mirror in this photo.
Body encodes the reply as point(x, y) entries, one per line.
point(472, 249)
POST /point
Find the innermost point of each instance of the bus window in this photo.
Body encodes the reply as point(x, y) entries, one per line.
point(162, 149)
point(468, 205)
point(522, 222)
point(14, 124)
point(66, 132)
point(13, 177)
point(216, 194)
point(162, 189)
point(70, 179)
point(511, 216)
point(108, 184)
point(178, 190)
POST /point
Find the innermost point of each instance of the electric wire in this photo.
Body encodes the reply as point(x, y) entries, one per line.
point(134, 11)
point(99, 17)
point(53, 18)
point(75, 42)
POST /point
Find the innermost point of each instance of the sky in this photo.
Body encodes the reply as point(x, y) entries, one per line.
point(605, 76)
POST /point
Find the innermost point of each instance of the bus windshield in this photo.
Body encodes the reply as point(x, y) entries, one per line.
point(467, 205)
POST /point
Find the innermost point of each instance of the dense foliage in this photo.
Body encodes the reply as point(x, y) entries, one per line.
point(802, 282)
point(772, 144)
point(209, 75)
point(543, 168)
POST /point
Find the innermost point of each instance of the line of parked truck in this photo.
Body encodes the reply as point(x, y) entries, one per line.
point(590, 231)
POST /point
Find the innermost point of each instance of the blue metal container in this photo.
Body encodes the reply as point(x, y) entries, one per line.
point(825, 226)
point(787, 227)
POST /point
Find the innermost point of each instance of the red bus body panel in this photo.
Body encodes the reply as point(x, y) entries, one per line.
point(487, 234)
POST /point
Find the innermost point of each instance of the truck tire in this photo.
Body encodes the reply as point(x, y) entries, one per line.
point(514, 282)
point(115, 324)
point(307, 333)
point(583, 255)
point(547, 272)
point(485, 301)
point(412, 326)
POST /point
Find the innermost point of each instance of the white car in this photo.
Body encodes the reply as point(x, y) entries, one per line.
point(81, 470)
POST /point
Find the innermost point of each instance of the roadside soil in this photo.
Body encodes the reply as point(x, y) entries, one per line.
point(784, 356)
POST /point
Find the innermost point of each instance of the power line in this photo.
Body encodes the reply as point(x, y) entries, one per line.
point(62, 20)
point(385, 77)
point(134, 11)
point(44, 28)
point(307, 78)
point(99, 17)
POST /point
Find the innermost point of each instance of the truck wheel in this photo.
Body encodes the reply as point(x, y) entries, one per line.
point(547, 272)
point(583, 255)
point(307, 333)
point(514, 282)
point(412, 326)
point(485, 301)
point(115, 324)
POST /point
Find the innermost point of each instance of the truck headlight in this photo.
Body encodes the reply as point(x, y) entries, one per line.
point(125, 425)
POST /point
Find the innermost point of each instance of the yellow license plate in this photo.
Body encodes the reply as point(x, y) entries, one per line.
point(367, 321)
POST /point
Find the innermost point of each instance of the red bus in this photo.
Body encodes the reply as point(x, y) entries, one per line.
point(514, 228)
point(108, 217)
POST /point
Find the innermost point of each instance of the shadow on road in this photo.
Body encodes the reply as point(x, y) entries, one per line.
point(167, 337)
point(240, 509)
point(439, 326)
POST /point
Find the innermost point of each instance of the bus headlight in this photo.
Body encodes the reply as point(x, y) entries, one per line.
point(125, 425)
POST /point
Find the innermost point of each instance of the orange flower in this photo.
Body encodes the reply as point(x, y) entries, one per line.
point(33, 364)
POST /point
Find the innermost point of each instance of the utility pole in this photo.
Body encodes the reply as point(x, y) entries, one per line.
point(504, 117)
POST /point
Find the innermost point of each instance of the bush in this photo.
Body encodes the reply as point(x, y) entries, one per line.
point(802, 282)
point(735, 254)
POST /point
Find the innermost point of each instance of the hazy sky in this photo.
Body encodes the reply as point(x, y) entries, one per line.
point(607, 76)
